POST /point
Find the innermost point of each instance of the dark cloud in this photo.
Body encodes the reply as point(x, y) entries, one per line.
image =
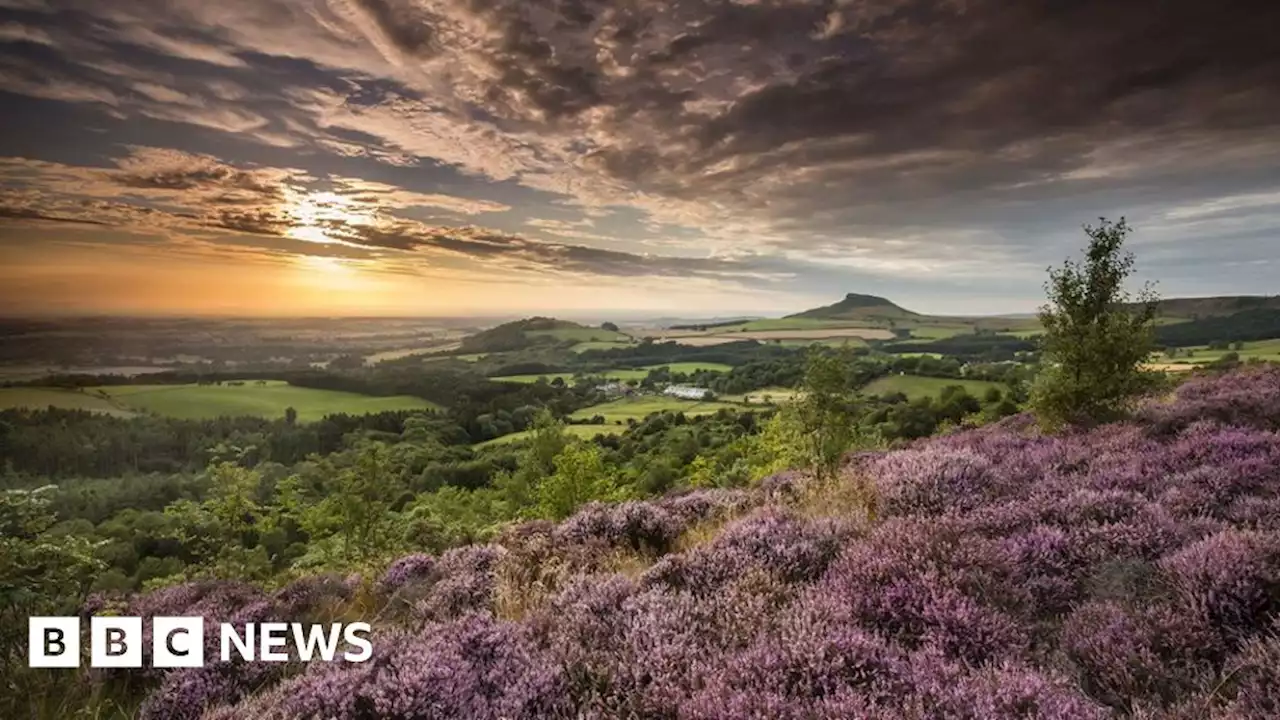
point(883, 134)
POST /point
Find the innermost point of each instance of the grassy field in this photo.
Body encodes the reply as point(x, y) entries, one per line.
point(757, 397)
point(269, 400)
point(567, 377)
point(915, 386)
point(639, 408)
point(40, 398)
point(582, 431)
point(1201, 355)
point(769, 324)
point(620, 374)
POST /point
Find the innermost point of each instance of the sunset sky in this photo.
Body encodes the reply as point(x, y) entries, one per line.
point(681, 157)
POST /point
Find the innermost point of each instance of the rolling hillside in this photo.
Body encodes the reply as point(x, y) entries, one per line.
point(534, 331)
point(857, 307)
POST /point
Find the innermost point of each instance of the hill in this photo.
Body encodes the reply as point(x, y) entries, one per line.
point(1005, 575)
point(534, 331)
point(1206, 307)
point(857, 307)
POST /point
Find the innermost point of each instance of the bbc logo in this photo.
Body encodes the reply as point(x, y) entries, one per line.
point(115, 642)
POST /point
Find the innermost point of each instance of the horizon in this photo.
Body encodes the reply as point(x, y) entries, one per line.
point(405, 159)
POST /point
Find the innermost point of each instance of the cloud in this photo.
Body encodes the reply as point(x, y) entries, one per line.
point(174, 193)
point(957, 138)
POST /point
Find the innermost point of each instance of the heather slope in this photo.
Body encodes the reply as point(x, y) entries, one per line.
point(1130, 571)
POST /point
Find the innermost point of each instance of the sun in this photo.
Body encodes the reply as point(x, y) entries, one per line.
point(324, 217)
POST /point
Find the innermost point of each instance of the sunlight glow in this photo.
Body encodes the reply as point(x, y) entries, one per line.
point(322, 217)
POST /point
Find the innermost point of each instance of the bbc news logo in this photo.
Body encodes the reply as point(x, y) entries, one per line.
point(179, 642)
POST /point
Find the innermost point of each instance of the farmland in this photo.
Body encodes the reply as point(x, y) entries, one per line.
point(620, 374)
point(764, 396)
point(915, 386)
point(36, 398)
point(641, 407)
point(810, 333)
point(269, 400)
point(1192, 357)
point(19, 373)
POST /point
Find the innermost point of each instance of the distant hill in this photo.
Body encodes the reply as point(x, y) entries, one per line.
point(535, 331)
point(1194, 308)
point(857, 307)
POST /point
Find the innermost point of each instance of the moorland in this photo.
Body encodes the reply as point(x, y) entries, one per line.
point(855, 510)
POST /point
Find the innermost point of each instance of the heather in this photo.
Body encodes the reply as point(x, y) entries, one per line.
point(1131, 570)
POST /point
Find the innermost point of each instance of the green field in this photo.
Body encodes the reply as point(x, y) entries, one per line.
point(35, 398)
point(620, 374)
point(268, 400)
point(567, 377)
point(583, 431)
point(915, 386)
point(793, 324)
point(639, 408)
point(757, 397)
point(1201, 354)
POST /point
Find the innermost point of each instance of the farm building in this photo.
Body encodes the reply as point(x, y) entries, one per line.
point(688, 392)
point(615, 389)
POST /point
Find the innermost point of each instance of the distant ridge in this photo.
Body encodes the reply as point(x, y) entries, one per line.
point(1199, 307)
point(855, 306)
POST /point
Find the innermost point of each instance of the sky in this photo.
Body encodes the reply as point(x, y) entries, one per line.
point(687, 158)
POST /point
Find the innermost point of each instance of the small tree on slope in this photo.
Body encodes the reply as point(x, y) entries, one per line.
point(1096, 339)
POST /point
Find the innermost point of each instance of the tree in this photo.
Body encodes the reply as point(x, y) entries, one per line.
point(222, 532)
point(546, 441)
point(353, 519)
point(1096, 339)
point(828, 409)
point(580, 476)
point(611, 327)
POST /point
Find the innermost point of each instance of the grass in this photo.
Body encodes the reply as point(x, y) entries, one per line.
point(916, 386)
point(620, 374)
point(1201, 355)
point(528, 379)
point(35, 398)
point(582, 431)
point(638, 408)
point(768, 324)
point(757, 397)
point(197, 402)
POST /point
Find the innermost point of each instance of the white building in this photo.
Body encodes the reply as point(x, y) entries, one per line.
point(687, 392)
